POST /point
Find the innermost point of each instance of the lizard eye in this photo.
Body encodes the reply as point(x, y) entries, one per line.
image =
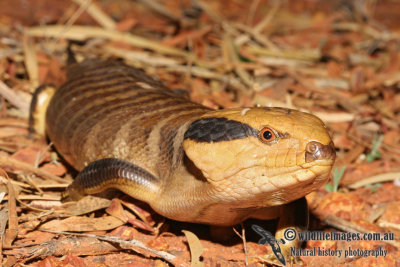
point(267, 135)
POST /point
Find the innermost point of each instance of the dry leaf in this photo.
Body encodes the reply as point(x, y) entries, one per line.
point(115, 209)
point(56, 169)
point(49, 262)
point(12, 131)
point(32, 154)
point(144, 215)
point(71, 260)
point(82, 224)
point(196, 249)
point(86, 205)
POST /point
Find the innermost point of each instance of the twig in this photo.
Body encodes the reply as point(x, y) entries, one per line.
point(97, 14)
point(376, 214)
point(233, 57)
point(205, 73)
point(74, 245)
point(243, 237)
point(385, 224)
point(141, 56)
point(31, 183)
point(127, 244)
point(255, 32)
point(301, 55)
point(13, 98)
point(267, 19)
point(186, 37)
point(30, 207)
point(228, 27)
point(233, 28)
point(356, 27)
point(53, 185)
point(24, 185)
point(80, 33)
point(346, 226)
point(12, 231)
point(335, 116)
point(30, 60)
point(260, 38)
point(36, 197)
point(13, 163)
point(252, 11)
point(210, 12)
point(325, 116)
point(244, 244)
point(3, 224)
point(338, 83)
point(283, 62)
point(391, 176)
point(72, 20)
point(153, 5)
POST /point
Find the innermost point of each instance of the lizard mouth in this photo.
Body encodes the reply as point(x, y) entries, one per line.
point(290, 182)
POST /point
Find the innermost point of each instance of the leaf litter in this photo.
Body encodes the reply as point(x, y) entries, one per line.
point(338, 60)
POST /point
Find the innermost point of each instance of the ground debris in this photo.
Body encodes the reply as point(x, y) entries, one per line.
point(339, 60)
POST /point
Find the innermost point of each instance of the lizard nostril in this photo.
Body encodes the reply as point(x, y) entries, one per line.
point(315, 151)
point(312, 147)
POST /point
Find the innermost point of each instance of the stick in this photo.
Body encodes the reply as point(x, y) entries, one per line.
point(13, 163)
point(243, 237)
point(81, 33)
point(97, 14)
point(385, 177)
point(346, 226)
point(30, 60)
point(136, 243)
point(13, 98)
point(155, 6)
point(12, 231)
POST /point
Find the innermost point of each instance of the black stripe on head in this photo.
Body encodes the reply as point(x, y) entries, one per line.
point(218, 129)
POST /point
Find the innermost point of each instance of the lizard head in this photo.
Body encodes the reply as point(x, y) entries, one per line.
point(266, 155)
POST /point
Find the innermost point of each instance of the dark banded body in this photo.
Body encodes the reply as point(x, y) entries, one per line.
point(107, 109)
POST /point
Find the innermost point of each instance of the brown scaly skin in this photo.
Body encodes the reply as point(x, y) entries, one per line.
point(109, 110)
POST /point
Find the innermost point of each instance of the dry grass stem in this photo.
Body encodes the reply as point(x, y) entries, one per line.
point(97, 14)
point(13, 98)
point(13, 163)
point(385, 177)
point(81, 33)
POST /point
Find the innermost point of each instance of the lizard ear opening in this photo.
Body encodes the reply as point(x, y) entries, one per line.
point(192, 169)
point(220, 160)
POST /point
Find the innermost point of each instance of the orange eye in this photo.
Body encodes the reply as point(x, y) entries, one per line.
point(267, 135)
